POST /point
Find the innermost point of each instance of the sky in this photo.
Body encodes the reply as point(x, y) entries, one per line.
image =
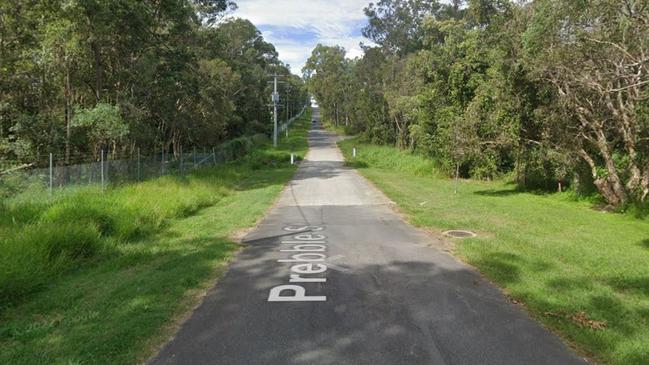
point(295, 27)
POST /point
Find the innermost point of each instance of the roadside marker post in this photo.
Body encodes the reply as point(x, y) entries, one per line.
point(292, 159)
point(354, 152)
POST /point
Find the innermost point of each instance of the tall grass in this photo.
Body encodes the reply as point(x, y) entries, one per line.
point(43, 238)
point(389, 158)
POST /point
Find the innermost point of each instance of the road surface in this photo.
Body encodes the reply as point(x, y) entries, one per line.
point(333, 276)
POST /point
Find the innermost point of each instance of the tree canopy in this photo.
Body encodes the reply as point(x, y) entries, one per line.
point(84, 75)
point(551, 92)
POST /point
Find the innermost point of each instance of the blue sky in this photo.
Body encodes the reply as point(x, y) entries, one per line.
point(295, 27)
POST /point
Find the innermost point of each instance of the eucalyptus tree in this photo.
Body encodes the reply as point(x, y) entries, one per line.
point(396, 25)
point(138, 73)
point(596, 54)
point(326, 73)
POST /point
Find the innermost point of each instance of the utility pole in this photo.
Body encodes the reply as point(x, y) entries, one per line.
point(275, 99)
point(288, 90)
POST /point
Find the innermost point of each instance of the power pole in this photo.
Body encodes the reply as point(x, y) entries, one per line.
point(288, 89)
point(275, 102)
point(275, 98)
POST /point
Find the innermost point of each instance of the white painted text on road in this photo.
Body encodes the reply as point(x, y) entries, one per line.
point(307, 254)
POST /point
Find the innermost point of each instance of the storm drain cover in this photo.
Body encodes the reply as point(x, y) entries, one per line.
point(459, 234)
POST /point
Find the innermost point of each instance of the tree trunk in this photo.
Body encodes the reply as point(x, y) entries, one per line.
point(645, 184)
point(613, 178)
point(336, 112)
point(68, 113)
point(609, 187)
point(98, 73)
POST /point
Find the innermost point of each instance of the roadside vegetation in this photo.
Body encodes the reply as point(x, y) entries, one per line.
point(330, 125)
point(92, 277)
point(130, 77)
point(554, 92)
point(581, 271)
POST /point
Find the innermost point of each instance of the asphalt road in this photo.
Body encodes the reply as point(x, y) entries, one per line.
point(367, 289)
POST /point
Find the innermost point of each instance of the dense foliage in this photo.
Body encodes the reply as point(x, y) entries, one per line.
point(80, 76)
point(553, 92)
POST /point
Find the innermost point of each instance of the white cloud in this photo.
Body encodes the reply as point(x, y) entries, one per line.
point(306, 23)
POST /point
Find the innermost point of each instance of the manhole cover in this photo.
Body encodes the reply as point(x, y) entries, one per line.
point(459, 234)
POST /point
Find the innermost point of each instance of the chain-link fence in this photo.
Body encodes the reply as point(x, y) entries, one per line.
point(111, 168)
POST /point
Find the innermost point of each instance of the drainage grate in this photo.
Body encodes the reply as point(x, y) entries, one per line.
point(459, 234)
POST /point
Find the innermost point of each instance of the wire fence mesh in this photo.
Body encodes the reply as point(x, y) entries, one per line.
point(110, 168)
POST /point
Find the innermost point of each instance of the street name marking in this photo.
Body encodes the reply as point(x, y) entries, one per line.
point(307, 253)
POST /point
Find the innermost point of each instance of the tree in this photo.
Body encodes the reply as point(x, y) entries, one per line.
point(397, 25)
point(596, 54)
point(326, 71)
point(174, 72)
point(541, 88)
point(104, 124)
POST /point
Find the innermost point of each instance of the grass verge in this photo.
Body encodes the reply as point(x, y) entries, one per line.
point(339, 129)
point(581, 272)
point(102, 278)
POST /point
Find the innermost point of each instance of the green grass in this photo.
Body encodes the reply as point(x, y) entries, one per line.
point(565, 261)
point(104, 278)
point(330, 125)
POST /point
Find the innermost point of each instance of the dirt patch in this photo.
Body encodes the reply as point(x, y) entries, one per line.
point(581, 319)
point(238, 235)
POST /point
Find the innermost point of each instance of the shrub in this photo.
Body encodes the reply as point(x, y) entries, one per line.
point(259, 139)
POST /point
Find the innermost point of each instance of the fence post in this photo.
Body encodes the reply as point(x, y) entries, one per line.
point(214, 155)
point(194, 157)
point(101, 165)
point(51, 173)
point(139, 165)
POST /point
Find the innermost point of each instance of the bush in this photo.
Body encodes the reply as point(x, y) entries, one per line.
point(237, 148)
point(260, 139)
